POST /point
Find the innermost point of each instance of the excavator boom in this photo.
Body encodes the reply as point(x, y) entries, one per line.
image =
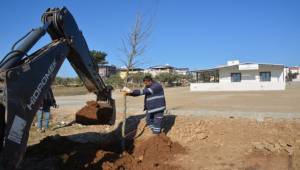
point(24, 79)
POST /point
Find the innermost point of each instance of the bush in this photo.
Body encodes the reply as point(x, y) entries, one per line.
point(68, 81)
point(115, 81)
point(174, 79)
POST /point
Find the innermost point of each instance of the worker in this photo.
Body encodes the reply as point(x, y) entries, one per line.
point(44, 111)
point(154, 102)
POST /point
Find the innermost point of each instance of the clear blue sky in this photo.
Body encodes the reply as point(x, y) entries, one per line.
point(186, 33)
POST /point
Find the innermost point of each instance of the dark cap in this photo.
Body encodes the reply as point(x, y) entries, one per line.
point(147, 78)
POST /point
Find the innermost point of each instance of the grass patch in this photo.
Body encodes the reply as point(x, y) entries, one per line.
point(69, 91)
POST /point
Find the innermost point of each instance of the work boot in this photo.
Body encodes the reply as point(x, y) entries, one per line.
point(156, 130)
point(151, 126)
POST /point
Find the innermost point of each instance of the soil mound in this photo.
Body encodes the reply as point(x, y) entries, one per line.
point(56, 152)
point(153, 153)
point(95, 113)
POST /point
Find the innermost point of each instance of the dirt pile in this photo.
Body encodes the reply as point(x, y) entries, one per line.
point(95, 113)
point(58, 152)
point(153, 153)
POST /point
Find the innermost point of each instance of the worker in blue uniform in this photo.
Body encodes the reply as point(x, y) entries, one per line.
point(154, 102)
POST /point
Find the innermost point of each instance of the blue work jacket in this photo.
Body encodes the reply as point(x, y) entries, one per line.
point(154, 97)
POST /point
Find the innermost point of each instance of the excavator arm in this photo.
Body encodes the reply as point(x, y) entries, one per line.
point(64, 26)
point(24, 80)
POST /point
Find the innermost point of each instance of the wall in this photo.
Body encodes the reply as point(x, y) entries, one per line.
point(123, 73)
point(236, 86)
point(155, 72)
point(250, 80)
point(106, 71)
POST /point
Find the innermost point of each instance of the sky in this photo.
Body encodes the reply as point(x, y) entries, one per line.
point(197, 34)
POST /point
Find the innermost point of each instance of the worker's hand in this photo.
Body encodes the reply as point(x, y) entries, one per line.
point(126, 94)
point(126, 90)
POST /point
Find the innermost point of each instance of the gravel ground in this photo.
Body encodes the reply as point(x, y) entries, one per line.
point(180, 101)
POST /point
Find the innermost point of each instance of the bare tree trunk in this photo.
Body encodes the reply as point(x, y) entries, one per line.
point(124, 123)
point(124, 114)
point(134, 45)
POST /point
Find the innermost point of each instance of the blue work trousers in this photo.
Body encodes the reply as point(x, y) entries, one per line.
point(40, 117)
point(154, 121)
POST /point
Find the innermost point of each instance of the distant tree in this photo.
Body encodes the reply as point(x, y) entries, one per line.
point(184, 80)
point(99, 56)
point(58, 81)
point(114, 80)
point(290, 76)
point(171, 79)
point(167, 78)
point(67, 81)
point(78, 81)
point(137, 78)
point(189, 78)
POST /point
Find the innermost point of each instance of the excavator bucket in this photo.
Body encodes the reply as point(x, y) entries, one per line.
point(97, 113)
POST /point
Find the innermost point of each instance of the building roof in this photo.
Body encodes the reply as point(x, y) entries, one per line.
point(133, 69)
point(183, 69)
point(166, 66)
point(105, 66)
point(294, 68)
point(235, 65)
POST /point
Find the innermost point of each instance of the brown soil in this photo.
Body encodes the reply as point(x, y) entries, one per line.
point(153, 153)
point(56, 152)
point(212, 142)
point(94, 113)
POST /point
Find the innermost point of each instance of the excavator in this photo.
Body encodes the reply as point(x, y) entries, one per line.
point(24, 80)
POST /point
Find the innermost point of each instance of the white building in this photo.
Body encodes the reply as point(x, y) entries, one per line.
point(237, 76)
point(156, 70)
point(106, 70)
point(182, 71)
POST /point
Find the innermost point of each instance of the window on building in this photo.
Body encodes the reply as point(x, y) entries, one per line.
point(265, 76)
point(236, 77)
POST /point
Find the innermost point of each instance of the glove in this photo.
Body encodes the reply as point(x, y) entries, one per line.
point(126, 90)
